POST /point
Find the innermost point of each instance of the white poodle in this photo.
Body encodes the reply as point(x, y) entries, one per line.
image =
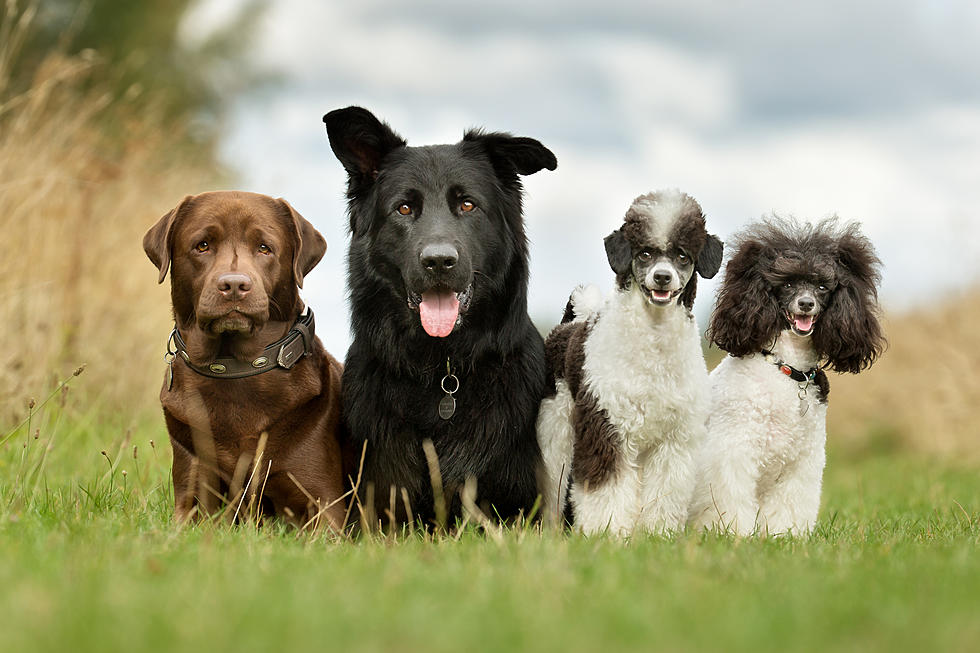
point(631, 386)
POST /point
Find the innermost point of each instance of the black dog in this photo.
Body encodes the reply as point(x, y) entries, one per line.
point(443, 346)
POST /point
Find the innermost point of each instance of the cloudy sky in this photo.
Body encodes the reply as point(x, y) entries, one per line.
point(870, 110)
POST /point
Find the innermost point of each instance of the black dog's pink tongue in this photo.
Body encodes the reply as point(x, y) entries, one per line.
point(439, 311)
point(803, 322)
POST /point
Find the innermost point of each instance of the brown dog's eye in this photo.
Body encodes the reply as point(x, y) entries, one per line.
point(466, 206)
point(202, 246)
point(264, 249)
point(645, 255)
point(405, 209)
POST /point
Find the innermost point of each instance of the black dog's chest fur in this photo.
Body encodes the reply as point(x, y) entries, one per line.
point(490, 437)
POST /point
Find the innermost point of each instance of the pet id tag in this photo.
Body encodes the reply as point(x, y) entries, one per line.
point(447, 405)
point(804, 404)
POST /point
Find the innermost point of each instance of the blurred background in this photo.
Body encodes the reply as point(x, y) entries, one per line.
point(111, 111)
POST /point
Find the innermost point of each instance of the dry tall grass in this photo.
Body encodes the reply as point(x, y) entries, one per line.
point(924, 393)
point(75, 286)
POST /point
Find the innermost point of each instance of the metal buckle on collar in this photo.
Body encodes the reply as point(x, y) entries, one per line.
point(285, 358)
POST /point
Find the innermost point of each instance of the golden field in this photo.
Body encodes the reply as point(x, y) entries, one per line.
point(924, 392)
point(75, 285)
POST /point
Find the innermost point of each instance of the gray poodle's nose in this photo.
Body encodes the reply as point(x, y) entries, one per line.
point(805, 304)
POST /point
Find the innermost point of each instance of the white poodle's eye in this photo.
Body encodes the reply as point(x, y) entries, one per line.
point(682, 257)
point(645, 255)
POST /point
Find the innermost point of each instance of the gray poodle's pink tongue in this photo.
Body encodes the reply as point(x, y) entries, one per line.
point(803, 322)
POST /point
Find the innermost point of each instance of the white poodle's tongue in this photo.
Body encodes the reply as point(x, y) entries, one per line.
point(439, 311)
point(803, 322)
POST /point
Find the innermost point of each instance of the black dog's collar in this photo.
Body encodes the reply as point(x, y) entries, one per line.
point(789, 370)
point(282, 353)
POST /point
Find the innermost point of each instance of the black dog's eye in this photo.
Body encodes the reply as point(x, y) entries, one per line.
point(822, 288)
point(787, 285)
point(466, 206)
point(265, 249)
point(645, 255)
point(202, 246)
point(682, 257)
point(405, 209)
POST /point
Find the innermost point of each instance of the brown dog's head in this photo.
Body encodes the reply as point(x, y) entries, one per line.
point(237, 259)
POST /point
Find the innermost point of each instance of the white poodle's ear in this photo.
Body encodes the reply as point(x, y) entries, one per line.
point(709, 259)
point(618, 252)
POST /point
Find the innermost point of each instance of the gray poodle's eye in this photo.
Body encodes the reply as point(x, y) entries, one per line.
point(645, 255)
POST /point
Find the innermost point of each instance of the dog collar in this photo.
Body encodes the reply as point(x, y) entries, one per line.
point(790, 371)
point(282, 353)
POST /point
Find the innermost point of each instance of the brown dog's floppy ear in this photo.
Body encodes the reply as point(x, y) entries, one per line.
point(310, 245)
point(159, 239)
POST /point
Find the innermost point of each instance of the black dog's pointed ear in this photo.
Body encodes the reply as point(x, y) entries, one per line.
point(158, 241)
point(709, 259)
point(310, 244)
point(618, 253)
point(524, 155)
point(360, 140)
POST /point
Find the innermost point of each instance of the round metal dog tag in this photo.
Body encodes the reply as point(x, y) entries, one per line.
point(447, 406)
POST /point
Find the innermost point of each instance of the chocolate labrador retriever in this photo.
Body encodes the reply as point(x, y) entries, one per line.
point(244, 361)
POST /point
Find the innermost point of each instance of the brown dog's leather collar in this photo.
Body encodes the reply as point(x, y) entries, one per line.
point(282, 353)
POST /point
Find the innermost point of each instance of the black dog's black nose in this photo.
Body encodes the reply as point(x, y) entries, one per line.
point(662, 278)
point(805, 304)
point(439, 257)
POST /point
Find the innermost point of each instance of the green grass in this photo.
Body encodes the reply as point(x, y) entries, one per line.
point(89, 560)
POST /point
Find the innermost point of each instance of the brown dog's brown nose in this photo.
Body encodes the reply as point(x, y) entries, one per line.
point(234, 286)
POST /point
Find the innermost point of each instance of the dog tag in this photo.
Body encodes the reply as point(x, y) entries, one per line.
point(447, 407)
point(804, 404)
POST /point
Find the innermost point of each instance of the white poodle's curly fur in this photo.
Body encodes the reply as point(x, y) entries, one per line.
point(631, 384)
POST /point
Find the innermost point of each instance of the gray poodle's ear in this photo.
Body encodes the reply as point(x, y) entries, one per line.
point(849, 333)
point(709, 259)
point(746, 315)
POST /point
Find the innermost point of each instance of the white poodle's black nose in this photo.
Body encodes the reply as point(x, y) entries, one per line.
point(662, 278)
